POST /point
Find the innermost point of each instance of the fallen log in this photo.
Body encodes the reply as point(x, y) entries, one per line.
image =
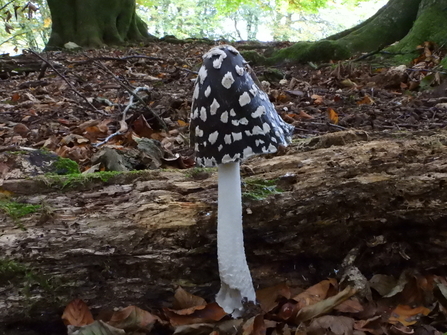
point(131, 239)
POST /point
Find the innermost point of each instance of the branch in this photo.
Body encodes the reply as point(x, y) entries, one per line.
point(157, 117)
point(68, 83)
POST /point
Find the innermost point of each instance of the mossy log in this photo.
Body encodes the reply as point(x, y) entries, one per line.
point(133, 238)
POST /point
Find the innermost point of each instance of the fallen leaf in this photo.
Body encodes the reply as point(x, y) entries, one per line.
point(254, 326)
point(333, 116)
point(184, 300)
point(367, 100)
point(304, 115)
point(268, 297)
point(141, 127)
point(132, 318)
point(77, 314)
point(318, 99)
point(350, 306)
point(406, 315)
point(315, 293)
point(201, 314)
point(383, 284)
point(182, 123)
point(324, 306)
point(98, 328)
point(338, 325)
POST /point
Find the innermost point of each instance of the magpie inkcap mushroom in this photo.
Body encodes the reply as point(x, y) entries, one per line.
point(231, 117)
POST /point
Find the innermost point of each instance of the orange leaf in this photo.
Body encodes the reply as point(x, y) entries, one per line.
point(209, 313)
point(15, 97)
point(318, 99)
point(315, 293)
point(406, 315)
point(182, 123)
point(304, 115)
point(183, 300)
point(333, 116)
point(367, 100)
point(77, 314)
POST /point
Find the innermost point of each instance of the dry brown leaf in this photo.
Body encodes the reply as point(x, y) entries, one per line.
point(132, 317)
point(304, 115)
point(77, 314)
point(318, 99)
point(141, 127)
point(406, 315)
point(202, 314)
point(315, 293)
point(338, 325)
point(350, 306)
point(254, 326)
point(15, 97)
point(324, 306)
point(361, 324)
point(367, 100)
point(333, 116)
point(383, 284)
point(185, 300)
point(268, 297)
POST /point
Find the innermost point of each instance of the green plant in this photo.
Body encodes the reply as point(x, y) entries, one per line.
point(259, 189)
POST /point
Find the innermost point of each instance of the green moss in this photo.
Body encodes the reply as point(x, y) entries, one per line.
point(254, 58)
point(25, 279)
point(429, 26)
point(65, 166)
point(198, 173)
point(17, 210)
point(259, 189)
point(77, 179)
point(320, 51)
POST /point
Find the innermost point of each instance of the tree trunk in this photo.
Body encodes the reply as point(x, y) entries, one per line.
point(133, 238)
point(95, 23)
point(412, 22)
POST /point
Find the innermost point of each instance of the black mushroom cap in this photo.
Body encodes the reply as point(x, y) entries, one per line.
point(231, 117)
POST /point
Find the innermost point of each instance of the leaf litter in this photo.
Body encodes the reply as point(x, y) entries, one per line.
point(122, 110)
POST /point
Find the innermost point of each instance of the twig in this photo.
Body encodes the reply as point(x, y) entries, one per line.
point(123, 120)
point(186, 70)
point(90, 59)
point(6, 5)
point(336, 126)
point(68, 83)
point(15, 148)
point(157, 117)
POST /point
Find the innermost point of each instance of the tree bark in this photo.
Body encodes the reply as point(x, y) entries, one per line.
point(408, 22)
point(134, 238)
point(95, 23)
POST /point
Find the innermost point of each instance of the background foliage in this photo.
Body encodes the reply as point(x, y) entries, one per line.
point(28, 24)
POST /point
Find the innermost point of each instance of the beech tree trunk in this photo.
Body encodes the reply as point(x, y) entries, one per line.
point(134, 238)
point(408, 22)
point(95, 23)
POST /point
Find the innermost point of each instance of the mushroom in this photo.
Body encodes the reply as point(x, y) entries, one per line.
point(232, 119)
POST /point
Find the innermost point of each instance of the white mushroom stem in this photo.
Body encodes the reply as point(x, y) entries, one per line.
point(236, 282)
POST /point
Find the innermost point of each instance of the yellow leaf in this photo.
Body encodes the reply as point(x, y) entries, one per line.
point(333, 116)
point(182, 123)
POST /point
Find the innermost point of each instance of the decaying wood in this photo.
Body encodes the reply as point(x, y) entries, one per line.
point(18, 65)
point(132, 240)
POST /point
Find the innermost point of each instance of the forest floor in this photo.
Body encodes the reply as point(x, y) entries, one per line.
point(77, 105)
